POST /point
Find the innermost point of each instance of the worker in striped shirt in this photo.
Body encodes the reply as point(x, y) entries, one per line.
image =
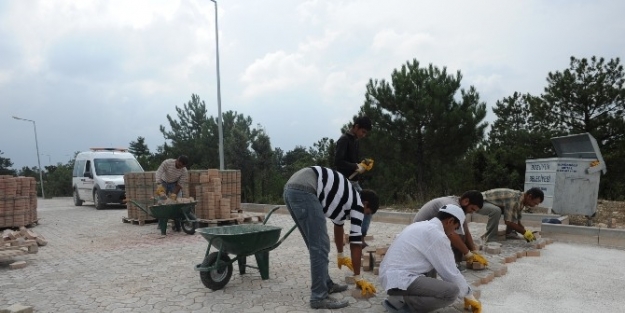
point(313, 194)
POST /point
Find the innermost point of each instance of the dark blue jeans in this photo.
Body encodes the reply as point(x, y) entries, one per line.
point(307, 213)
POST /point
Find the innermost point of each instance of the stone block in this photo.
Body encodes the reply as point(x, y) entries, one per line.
point(381, 250)
point(17, 265)
point(510, 258)
point(350, 280)
point(357, 294)
point(532, 253)
point(18, 308)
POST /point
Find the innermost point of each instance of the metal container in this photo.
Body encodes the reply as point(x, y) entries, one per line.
point(570, 181)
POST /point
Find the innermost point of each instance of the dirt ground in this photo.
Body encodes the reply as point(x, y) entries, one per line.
point(610, 214)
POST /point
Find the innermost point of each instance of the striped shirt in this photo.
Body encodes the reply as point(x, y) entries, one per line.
point(340, 200)
point(168, 173)
point(418, 249)
point(509, 200)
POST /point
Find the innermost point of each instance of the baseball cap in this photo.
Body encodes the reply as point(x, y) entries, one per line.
point(455, 211)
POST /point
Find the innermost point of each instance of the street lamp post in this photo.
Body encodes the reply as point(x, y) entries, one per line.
point(43, 195)
point(219, 122)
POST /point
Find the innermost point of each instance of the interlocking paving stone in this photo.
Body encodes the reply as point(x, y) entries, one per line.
point(95, 263)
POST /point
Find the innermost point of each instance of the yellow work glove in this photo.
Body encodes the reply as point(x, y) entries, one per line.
point(529, 236)
point(160, 190)
point(344, 260)
point(475, 257)
point(367, 164)
point(173, 196)
point(365, 286)
point(472, 304)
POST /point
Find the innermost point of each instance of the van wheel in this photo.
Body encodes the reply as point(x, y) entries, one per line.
point(77, 201)
point(97, 201)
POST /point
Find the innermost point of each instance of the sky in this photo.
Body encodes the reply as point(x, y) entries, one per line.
point(95, 73)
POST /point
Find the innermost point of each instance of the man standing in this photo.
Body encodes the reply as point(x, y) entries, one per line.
point(311, 195)
point(510, 203)
point(420, 248)
point(347, 160)
point(461, 240)
point(172, 174)
point(170, 177)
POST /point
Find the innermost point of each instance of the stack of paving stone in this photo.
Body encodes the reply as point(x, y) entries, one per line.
point(18, 201)
point(218, 193)
point(140, 188)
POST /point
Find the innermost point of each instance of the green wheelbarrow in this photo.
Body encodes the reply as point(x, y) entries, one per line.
point(182, 212)
point(242, 241)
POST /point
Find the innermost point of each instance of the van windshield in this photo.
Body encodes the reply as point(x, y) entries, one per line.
point(105, 167)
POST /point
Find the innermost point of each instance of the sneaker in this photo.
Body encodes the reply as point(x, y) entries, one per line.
point(390, 308)
point(337, 288)
point(329, 303)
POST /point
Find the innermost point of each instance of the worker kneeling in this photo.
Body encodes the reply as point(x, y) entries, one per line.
point(420, 248)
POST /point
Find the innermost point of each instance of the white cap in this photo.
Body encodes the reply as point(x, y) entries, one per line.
point(455, 211)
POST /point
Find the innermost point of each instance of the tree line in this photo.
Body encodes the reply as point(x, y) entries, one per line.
point(429, 136)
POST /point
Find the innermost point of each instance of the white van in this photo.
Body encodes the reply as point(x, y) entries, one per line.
point(98, 175)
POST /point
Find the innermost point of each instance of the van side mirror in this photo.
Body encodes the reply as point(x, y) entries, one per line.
point(88, 174)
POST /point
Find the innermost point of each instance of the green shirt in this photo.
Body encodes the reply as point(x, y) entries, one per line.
point(509, 200)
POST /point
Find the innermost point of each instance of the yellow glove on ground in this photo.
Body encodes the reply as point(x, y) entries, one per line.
point(476, 257)
point(529, 236)
point(470, 303)
point(344, 260)
point(365, 286)
point(173, 196)
point(160, 190)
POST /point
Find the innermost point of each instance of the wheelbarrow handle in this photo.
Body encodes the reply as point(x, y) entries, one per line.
point(269, 214)
point(138, 205)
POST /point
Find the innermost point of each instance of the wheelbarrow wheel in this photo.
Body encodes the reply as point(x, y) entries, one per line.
point(189, 227)
point(218, 278)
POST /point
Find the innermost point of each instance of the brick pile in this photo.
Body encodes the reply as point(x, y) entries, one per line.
point(16, 243)
point(217, 193)
point(18, 201)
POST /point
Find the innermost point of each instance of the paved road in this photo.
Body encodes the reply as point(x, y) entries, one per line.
point(95, 263)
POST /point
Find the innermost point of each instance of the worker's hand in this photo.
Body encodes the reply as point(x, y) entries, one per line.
point(360, 169)
point(173, 196)
point(529, 236)
point(366, 287)
point(160, 190)
point(366, 164)
point(475, 257)
point(344, 260)
point(472, 304)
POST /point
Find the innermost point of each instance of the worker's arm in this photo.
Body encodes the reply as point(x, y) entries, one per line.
point(468, 238)
point(517, 227)
point(458, 243)
point(356, 252)
point(338, 238)
point(159, 173)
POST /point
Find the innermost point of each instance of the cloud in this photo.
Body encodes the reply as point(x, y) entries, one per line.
point(277, 71)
